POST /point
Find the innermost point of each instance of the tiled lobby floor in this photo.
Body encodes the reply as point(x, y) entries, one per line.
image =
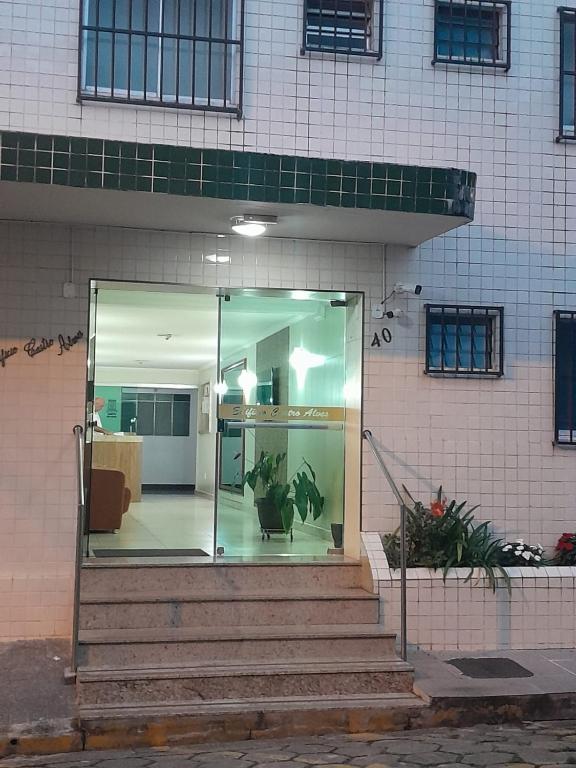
point(187, 522)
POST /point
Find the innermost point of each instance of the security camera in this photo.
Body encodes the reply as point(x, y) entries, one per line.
point(408, 288)
point(394, 313)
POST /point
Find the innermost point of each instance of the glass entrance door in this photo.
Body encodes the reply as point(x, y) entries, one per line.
point(222, 422)
point(286, 373)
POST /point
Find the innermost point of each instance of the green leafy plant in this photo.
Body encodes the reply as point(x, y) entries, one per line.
point(300, 492)
point(445, 535)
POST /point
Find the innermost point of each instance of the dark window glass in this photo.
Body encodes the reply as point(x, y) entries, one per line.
point(568, 73)
point(156, 413)
point(127, 413)
point(145, 418)
point(181, 417)
point(163, 418)
point(180, 52)
point(464, 340)
point(474, 32)
point(565, 378)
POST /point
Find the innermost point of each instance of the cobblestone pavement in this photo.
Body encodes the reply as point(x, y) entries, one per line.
point(534, 744)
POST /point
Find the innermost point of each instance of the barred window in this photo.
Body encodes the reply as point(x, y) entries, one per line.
point(568, 73)
point(464, 340)
point(473, 32)
point(343, 26)
point(180, 53)
point(565, 378)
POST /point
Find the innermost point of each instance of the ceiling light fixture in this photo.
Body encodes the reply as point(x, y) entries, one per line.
point(252, 224)
point(217, 258)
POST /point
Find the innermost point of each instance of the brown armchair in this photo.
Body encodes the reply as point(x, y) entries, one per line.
point(109, 499)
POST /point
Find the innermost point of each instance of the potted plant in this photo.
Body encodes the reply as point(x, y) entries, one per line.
point(445, 535)
point(276, 500)
point(566, 549)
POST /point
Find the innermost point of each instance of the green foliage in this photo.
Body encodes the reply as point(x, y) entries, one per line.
point(446, 536)
point(301, 492)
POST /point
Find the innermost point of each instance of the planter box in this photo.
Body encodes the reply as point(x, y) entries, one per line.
point(538, 612)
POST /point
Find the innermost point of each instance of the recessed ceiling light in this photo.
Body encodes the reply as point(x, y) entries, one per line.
point(217, 258)
point(252, 224)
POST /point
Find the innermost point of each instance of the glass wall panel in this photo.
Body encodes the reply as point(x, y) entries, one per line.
point(282, 413)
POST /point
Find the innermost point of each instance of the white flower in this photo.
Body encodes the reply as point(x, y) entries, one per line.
point(507, 548)
point(537, 557)
point(526, 555)
point(519, 551)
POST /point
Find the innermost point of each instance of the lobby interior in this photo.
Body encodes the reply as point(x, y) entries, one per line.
point(163, 361)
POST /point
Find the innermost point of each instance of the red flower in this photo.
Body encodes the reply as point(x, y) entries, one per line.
point(568, 547)
point(438, 507)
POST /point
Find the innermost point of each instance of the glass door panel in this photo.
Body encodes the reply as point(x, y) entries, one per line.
point(151, 424)
point(281, 413)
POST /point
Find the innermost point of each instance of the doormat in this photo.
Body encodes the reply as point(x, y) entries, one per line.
point(490, 668)
point(149, 553)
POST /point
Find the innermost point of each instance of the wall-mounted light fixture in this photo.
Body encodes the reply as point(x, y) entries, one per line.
point(247, 380)
point(301, 360)
point(252, 224)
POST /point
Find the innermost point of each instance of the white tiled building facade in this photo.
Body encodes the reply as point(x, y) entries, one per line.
point(486, 440)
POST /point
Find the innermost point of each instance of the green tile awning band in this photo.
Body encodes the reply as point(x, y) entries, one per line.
point(232, 175)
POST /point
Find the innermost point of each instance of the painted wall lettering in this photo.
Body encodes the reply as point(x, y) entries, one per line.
point(67, 343)
point(32, 348)
point(35, 346)
point(5, 354)
point(385, 335)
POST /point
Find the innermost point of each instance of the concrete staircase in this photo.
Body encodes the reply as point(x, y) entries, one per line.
point(165, 640)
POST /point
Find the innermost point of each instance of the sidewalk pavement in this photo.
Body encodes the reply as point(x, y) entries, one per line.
point(553, 671)
point(548, 745)
point(38, 708)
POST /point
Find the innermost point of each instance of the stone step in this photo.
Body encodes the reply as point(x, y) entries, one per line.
point(228, 578)
point(127, 648)
point(97, 715)
point(196, 684)
point(153, 725)
point(137, 610)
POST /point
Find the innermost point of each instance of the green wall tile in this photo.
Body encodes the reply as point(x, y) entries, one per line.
point(95, 163)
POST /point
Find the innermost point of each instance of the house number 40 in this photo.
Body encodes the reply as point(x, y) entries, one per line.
point(384, 336)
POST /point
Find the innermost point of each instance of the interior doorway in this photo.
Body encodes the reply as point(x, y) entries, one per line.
point(222, 422)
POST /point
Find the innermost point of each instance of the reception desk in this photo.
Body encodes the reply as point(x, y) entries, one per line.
point(123, 452)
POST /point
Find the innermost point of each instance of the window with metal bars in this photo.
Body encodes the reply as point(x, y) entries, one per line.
point(352, 27)
point(175, 53)
point(567, 73)
point(565, 377)
point(472, 32)
point(464, 340)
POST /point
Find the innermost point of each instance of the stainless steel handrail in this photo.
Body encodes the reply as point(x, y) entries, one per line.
point(367, 435)
point(336, 425)
point(80, 522)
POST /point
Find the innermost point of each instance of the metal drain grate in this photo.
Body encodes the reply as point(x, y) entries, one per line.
point(490, 668)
